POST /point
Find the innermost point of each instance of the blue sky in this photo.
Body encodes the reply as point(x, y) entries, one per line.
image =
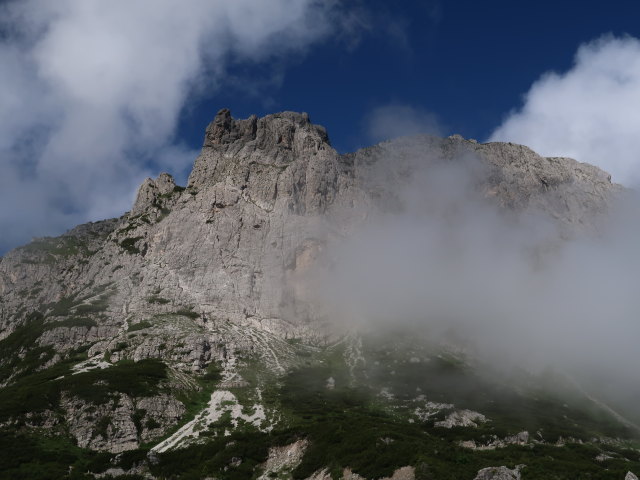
point(468, 62)
point(95, 96)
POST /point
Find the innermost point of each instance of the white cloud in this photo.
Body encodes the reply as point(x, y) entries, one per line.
point(589, 113)
point(90, 93)
point(395, 120)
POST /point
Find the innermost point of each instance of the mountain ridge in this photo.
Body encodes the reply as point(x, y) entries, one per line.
point(197, 296)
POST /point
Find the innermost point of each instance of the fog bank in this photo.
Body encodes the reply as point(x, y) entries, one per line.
point(452, 259)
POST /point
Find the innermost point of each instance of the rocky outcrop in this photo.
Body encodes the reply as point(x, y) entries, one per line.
point(265, 198)
point(404, 473)
point(499, 473)
point(68, 338)
point(283, 460)
point(462, 418)
point(122, 423)
point(47, 270)
point(521, 438)
point(517, 178)
point(151, 192)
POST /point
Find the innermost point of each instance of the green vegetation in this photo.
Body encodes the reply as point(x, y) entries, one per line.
point(41, 391)
point(151, 423)
point(515, 403)
point(63, 306)
point(102, 427)
point(32, 394)
point(161, 207)
point(74, 322)
point(176, 189)
point(139, 326)
point(95, 306)
point(28, 457)
point(188, 312)
point(345, 430)
point(136, 379)
point(75, 304)
point(349, 425)
point(22, 356)
point(158, 300)
point(137, 417)
point(217, 458)
point(213, 373)
point(49, 249)
point(134, 222)
point(129, 245)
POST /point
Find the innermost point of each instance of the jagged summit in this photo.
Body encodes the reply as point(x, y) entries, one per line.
point(278, 128)
point(275, 140)
point(151, 190)
point(265, 195)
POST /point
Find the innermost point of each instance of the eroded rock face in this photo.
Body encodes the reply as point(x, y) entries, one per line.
point(197, 274)
point(462, 418)
point(283, 460)
point(150, 193)
point(264, 199)
point(520, 438)
point(122, 423)
point(403, 473)
point(499, 473)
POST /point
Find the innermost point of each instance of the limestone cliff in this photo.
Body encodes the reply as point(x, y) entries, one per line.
point(199, 274)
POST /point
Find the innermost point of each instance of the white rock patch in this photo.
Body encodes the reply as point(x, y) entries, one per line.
point(221, 401)
point(462, 418)
point(431, 408)
point(283, 460)
point(91, 364)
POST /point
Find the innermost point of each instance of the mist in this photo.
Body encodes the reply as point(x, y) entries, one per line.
point(516, 288)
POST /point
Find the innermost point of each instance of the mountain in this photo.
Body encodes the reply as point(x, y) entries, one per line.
point(185, 340)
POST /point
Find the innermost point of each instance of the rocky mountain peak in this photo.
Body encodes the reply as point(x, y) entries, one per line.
point(224, 129)
point(276, 139)
point(151, 191)
point(275, 129)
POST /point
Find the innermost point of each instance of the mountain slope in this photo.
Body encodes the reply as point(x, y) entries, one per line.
point(189, 317)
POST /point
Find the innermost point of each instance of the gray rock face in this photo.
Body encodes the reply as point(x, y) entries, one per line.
point(462, 418)
point(151, 192)
point(265, 196)
point(197, 274)
point(120, 424)
point(404, 473)
point(519, 179)
point(499, 473)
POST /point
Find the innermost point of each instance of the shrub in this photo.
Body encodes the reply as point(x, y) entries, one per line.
point(158, 300)
point(139, 326)
point(129, 245)
point(213, 372)
point(188, 312)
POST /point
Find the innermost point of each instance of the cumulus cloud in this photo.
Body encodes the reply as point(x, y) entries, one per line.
point(90, 93)
point(395, 120)
point(589, 112)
